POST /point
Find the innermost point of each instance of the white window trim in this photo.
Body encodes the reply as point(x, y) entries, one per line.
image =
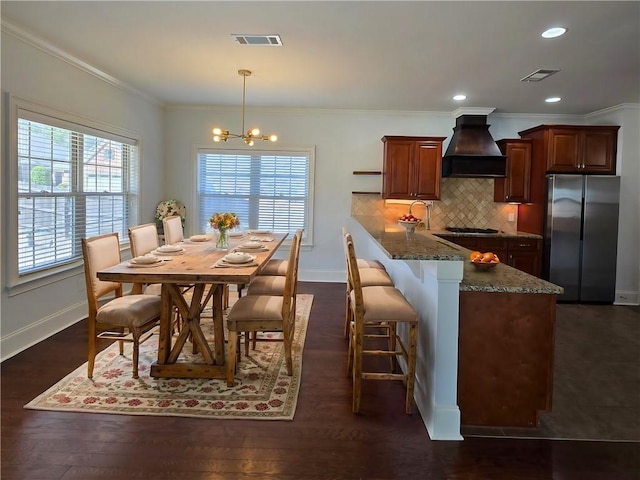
point(309, 150)
point(22, 283)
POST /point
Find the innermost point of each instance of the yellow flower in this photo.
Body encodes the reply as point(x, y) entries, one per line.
point(224, 221)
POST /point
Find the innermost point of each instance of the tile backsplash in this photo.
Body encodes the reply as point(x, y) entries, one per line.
point(464, 202)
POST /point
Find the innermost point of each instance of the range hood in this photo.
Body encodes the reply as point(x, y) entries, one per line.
point(472, 152)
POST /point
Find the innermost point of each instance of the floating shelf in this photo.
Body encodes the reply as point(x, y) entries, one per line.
point(366, 193)
point(367, 172)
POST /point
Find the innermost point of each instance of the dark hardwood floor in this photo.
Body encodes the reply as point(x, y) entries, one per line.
point(324, 441)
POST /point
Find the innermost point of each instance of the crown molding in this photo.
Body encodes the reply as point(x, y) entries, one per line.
point(50, 49)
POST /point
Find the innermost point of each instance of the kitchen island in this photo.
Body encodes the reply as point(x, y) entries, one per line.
point(485, 350)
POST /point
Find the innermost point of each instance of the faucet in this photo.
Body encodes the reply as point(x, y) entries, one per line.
point(428, 206)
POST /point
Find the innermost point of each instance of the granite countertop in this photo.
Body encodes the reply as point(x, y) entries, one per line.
point(425, 245)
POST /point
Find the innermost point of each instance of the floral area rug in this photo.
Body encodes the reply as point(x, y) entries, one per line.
point(263, 390)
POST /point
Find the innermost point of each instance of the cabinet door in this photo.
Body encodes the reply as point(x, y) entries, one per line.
point(428, 157)
point(516, 186)
point(564, 150)
point(495, 245)
point(598, 155)
point(526, 254)
point(398, 169)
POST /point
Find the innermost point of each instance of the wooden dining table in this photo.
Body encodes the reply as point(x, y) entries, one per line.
point(199, 266)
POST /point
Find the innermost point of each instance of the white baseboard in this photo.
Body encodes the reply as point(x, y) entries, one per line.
point(20, 340)
point(627, 298)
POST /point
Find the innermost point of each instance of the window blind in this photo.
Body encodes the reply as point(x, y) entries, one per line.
point(72, 183)
point(267, 190)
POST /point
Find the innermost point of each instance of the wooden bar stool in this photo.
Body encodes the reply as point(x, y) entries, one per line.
point(378, 306)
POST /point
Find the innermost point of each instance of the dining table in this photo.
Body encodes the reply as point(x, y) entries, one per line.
point(198, 263)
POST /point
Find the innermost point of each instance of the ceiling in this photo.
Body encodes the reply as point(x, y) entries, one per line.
point(354, 55)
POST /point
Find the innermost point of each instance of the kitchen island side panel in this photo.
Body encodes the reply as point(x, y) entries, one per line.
point(505, 367)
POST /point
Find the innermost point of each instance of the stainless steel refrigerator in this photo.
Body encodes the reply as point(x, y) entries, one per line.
point(581, 236)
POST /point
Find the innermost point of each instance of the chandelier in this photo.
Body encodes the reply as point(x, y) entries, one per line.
point(220, 135)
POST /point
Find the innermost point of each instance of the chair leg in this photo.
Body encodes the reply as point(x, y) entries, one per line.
point(411, 367)
point(92, 349)
point(225, 297)
point(357, 374)
point(231, 358)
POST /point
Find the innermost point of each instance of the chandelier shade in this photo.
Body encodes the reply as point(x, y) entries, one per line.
point(222, 135)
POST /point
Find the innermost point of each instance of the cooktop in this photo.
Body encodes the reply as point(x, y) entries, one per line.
point(471, 230)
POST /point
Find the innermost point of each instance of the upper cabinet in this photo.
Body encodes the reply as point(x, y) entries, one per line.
point(412, 167)
point(516, 186)
point(576, 148)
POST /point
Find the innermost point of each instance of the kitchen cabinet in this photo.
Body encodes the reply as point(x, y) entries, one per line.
point(523, 253)
point(516, 186)
point(576, 149)
point(412, 167)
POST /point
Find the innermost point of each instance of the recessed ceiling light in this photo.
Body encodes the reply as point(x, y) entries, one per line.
point(460, 97)
point(553, 99)
point(554, 32)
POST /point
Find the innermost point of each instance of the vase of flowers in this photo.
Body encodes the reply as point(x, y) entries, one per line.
point(169, 208)
point(222, 222)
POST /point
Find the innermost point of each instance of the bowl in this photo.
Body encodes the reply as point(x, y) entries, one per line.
point(238, 257)
point(145, 259)
point(169, 249)
point(484, 266)
point(251, 245)
point(410, 226)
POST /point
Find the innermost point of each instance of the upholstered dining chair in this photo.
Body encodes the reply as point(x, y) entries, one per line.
point(377, 306)
point(142, 240)
point(173, 232)
point(372, 273)
point(273, 285)
point(123, 318)
point(265, 313)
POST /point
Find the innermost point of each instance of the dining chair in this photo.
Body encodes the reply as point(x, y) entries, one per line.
point(143, 239)
point(265, 313)
point(173, 232)
point(369, 277)
point(123, 318)
point(373, 307)
point(273, 285)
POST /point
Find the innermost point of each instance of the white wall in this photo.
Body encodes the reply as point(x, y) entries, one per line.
point(30, 72)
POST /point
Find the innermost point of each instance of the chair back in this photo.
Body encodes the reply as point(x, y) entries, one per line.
point(290, 282)
point(143, 239)
point(353, 274)
point(172, 230)
point(100, 252)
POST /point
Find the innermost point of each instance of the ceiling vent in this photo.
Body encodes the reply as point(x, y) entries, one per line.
point(261, 40)
point(538, 75)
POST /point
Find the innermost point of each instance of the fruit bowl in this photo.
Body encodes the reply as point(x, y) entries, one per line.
point(484, 266)
point(408, 224)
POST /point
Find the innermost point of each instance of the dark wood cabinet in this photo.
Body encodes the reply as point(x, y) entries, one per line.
point(523, 253)
point(516, 186)
point(577, 149)
point(412, 167)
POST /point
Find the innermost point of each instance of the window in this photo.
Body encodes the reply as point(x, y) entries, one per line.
point(73, 181)
point(266, 189)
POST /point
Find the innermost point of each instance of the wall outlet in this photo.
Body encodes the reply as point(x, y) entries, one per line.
point(512, 217)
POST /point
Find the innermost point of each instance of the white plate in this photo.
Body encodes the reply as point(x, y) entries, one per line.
point(200, 238)
point(145, 265)
point(236, 234)
point(169, 249)
point(238, 258)
point(145, 260)
point(251, 245)
point(260, 232)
